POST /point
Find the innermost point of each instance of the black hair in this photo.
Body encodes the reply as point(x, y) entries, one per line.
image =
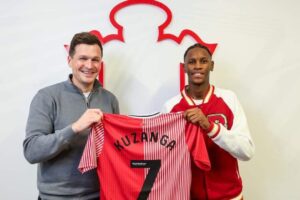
point(197, 45)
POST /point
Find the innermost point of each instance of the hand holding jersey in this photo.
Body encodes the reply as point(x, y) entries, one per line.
point(196, 116)
point(89, 117)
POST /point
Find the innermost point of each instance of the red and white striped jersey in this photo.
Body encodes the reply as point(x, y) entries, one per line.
point(144, 158)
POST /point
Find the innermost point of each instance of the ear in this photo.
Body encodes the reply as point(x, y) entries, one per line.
point(69, 60)
point(184, 67)
point(212, 65)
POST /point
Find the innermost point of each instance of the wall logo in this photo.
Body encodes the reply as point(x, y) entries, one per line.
point(162, 34)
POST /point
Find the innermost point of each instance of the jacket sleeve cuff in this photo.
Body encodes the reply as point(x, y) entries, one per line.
point(213, 130)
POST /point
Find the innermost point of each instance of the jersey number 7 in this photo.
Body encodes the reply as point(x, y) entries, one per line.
point(154, 166)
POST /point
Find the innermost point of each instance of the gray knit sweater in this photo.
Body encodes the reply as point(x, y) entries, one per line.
point(52, 144)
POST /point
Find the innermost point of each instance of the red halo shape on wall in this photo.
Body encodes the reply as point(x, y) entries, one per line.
point(161, 29)
point(161, 33)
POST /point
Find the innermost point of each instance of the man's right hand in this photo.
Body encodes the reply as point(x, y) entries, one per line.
point(89, 117)
point(196, 116)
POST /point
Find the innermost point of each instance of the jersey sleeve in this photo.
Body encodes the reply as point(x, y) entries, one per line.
point(92, 149)
point(197, 146)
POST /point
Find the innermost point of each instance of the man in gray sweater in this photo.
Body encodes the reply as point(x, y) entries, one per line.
point(59, 120)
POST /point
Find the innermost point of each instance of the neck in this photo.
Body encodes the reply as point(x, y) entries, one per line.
point(197, 91)
point(83, 87)
point(86, 89)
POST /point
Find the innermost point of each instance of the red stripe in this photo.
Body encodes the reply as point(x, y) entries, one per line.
point(101, 74)
point(181, 76)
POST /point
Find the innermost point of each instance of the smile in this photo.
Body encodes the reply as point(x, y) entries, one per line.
point(197, 74)
point(88, 72)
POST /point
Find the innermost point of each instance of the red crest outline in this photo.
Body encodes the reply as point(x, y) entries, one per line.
point(162, 35)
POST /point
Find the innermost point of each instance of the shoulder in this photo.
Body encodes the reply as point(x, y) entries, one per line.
point(107, 94)
point(228, 96)
point(50, 93)
point(46, 97)
point(103, 93)
point(52, 90)
point(169, 104)
point(221, 92)
point(109, 101)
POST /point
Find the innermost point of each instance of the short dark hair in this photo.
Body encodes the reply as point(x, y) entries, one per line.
point(84, 38)
point(197, 45)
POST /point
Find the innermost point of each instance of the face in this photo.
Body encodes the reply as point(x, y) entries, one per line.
point(85, 64)
point(197, 65)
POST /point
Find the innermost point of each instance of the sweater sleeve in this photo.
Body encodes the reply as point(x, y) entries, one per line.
point(115, 103)
point(42, 143)
point(237, 141)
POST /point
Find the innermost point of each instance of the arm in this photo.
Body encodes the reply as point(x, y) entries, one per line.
point(236, 141)
point(115, 105)
point(42, 141)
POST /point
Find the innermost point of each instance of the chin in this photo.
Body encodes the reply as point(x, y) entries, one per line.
point(197, 82)
point(88, 81)
point(89, 78)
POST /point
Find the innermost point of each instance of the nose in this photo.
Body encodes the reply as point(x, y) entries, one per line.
point(198, 65)
point(88, 63)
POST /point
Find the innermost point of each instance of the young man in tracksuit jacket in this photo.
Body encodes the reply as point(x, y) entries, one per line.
point(58, 124)
point(222, 120)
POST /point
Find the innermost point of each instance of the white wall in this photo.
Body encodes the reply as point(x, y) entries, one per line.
point(257, 57)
